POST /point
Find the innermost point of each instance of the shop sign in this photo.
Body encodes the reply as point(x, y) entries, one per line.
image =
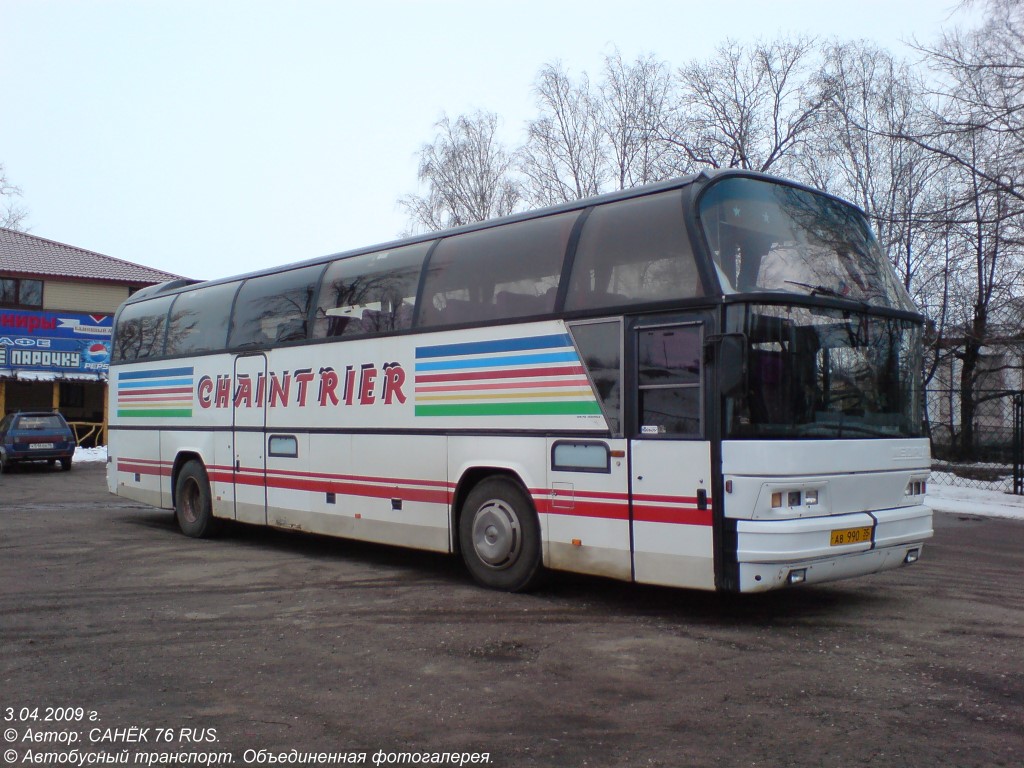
point(58, 342)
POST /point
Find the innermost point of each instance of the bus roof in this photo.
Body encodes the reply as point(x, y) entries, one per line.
point(704, 176)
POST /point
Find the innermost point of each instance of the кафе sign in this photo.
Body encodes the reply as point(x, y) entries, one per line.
point(59, 342)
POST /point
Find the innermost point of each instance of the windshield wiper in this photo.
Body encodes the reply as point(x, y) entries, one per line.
point(816, 289)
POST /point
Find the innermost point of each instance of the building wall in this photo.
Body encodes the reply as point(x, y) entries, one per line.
point(83, 297)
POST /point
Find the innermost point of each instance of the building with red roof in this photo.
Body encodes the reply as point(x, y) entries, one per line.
point(57, 304)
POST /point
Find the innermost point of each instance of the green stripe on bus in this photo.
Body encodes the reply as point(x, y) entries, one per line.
point(511, 409)
point(181, 413)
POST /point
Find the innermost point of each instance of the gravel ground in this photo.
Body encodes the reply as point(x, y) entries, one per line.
point(264, 640)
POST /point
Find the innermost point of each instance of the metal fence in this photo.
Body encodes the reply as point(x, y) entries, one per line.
point(987, 452)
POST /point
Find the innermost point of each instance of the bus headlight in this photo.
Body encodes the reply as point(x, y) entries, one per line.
point(917, 488)
point(806, 498)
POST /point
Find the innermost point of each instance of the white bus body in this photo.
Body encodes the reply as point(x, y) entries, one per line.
point(712, 383)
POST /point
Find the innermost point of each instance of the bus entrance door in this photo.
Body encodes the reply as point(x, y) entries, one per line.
point(670, 458)
point(249, 421)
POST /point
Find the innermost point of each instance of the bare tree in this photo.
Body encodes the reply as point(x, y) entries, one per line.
point(563, 158)
point(12, 215)
point(635, 100)
point(987, 224)
point(870, 100)
point(977, 128)
point(747, 107)
point(981, 88)
point(468, 174)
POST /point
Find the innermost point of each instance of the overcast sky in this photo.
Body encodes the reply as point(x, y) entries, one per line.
point(213, 137)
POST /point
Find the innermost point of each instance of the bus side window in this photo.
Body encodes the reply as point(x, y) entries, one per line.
point(499, 273)
point(370, 293)
point(600, 347)
point(199, 319)
point(141, 330)
point(670, 381)
point(273, 309)
point(634, 252)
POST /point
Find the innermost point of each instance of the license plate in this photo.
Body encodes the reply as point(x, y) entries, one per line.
point(39, 446)
point(842, 536)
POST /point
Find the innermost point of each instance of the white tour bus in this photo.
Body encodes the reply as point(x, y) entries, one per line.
point(713, 382)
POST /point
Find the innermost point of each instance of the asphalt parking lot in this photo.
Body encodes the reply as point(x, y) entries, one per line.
point(121, 637)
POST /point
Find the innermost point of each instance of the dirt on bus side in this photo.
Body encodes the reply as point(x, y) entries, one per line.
point(123, 638)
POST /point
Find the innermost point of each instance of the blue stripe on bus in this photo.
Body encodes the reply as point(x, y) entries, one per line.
point(156, 374)
point(154, 383)
point(497, 345)
point(498, 362)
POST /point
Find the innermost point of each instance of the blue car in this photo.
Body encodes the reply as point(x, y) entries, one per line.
point(36, 436)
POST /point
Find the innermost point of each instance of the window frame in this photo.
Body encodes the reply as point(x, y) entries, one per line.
point(447, 258)
point(290, 452)
point(699, 385)
point(605, 470)
point(18, 302)
point(241, 299)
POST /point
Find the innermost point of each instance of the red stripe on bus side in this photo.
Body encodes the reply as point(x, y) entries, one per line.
point(285, 473)
point(154, 391)
point(144, 468)
point(595, 504)
point(529, 373)
point(610, 510)
point(671, 515)
point(506, 385)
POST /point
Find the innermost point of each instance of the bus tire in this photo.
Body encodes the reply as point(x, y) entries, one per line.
point(499, 536)
point(192, 502)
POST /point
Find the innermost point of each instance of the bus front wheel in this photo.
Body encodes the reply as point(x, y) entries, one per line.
point(192, 506)
point(499, 536)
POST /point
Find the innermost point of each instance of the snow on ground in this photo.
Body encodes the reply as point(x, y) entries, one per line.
point(90, 454)
point(974, 501)
point(941, 498)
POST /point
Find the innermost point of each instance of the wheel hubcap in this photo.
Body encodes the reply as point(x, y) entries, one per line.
point(190, 501)
point(497, 538)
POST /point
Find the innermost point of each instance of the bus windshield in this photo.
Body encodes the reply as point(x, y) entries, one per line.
point(826, 373)
point(765, 236)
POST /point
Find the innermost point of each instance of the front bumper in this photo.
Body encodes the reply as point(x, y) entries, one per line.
point(770, 551)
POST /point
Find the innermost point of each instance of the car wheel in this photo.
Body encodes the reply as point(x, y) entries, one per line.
point(65, 464)
point(499, 535)
point(192, 502)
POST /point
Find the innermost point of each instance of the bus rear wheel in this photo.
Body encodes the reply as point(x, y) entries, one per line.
point(499, 536)
point(192, 502)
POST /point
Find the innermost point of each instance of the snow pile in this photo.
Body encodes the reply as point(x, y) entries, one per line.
point(974, 501)
point(941, 498)
point(90, 454)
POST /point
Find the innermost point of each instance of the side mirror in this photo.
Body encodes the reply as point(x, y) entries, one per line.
point(730, 358)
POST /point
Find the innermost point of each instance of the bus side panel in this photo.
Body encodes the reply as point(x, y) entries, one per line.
point(673, 540)
point(379, 488)
point(172, 444)
point(220, 471)
point(289, 484)
point(588, 507)
point(519, 456)
point(136, 467)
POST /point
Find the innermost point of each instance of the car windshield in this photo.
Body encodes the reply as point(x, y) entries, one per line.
point(765, 236)
point(815, 372)
point(40, 423)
